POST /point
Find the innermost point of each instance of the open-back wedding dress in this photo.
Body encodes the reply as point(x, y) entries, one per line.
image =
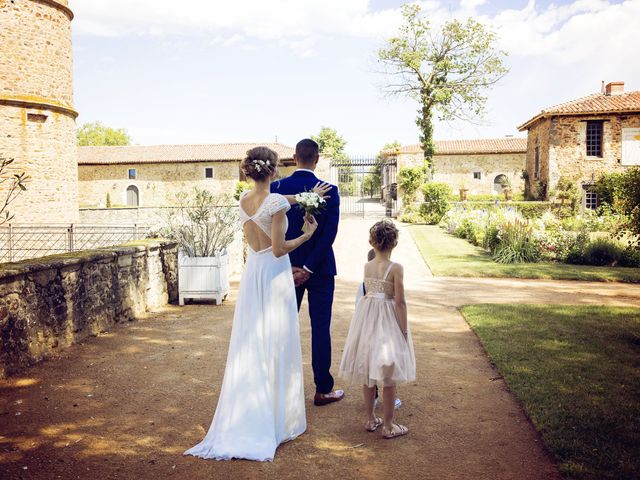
point(261, 404)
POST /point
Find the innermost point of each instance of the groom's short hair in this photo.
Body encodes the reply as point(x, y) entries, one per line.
point(307, 151)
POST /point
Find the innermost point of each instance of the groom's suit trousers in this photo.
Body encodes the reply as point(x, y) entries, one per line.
point(319, 290)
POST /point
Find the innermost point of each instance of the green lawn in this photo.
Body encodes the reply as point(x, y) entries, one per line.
point(447, 255)
point(576, 371)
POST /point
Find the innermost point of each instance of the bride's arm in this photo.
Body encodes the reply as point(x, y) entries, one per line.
point(280, 246)
point(321, 188)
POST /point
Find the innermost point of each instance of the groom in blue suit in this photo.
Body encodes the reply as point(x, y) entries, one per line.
point(314, 265)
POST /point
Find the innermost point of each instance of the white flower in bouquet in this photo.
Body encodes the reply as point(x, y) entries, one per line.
point(310, 202)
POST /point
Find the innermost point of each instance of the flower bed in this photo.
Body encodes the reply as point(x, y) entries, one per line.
point(512, 238)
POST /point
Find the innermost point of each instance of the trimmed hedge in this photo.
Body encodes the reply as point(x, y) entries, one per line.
point(527, 209)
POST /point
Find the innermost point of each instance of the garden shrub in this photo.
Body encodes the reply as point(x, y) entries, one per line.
point(436, 203)
point(602, 252)
point(621, 191)
point(485, 197)
point(576, 251)
point(241, 187)
point(516, 243)
point(411, 217)
point(409, 181)
point(630, 257)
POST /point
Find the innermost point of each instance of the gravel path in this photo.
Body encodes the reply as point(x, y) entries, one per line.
point(126, 405)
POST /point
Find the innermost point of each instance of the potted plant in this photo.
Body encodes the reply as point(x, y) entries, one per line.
point(507, 190)
point(204, 226)
point(463, 192)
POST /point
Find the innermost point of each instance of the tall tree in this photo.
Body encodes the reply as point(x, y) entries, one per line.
point(96, 134)
point(446, 71)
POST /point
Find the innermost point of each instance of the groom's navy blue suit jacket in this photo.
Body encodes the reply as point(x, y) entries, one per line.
point(317, 253)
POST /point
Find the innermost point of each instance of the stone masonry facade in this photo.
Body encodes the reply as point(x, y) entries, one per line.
point(458, 170)
point(562, 148)
point(48, 305)
point(158, 184)
point(37, 118)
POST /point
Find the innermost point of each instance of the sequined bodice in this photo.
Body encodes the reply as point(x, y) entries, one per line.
point(377, 285)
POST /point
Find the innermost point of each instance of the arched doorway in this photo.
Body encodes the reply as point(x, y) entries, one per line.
point(133, 196)
point(498, 183)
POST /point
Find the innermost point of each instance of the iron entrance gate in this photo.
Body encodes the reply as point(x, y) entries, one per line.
point(367, 185)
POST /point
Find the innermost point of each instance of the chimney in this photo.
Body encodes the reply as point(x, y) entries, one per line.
point(614, 88)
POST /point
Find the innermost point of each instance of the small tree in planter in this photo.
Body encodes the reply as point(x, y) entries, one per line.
point(507, 190)
point(204, 225)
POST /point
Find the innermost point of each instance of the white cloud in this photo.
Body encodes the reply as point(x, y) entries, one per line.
point(556, 52)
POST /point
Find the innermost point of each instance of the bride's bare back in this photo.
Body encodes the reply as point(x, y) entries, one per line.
point(257, 208)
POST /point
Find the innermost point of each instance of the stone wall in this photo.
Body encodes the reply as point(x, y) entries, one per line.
point(458, 170)
point(48, 304)
point(37, 119)
point(538, 137)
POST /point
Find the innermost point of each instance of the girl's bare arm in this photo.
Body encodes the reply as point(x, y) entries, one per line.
point(399, 300)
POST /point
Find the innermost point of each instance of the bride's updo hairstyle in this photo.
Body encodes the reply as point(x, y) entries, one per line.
point(259, 163)
point(383, 236)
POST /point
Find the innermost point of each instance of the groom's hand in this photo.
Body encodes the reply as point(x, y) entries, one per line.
point(300, 276)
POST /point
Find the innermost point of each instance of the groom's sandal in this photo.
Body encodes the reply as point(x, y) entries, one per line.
point(327, 398)
point(397, 430)
point(373, 425)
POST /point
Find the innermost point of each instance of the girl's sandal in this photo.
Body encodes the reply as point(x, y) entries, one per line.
point(396, 431)
point(372, 425)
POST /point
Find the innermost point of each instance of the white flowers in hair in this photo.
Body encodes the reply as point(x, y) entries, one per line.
point(310, 202)
point(260, 164)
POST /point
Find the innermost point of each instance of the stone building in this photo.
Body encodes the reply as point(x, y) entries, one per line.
point(478, 165)
point(37, 117)
point(583, 138)
point(151, 176)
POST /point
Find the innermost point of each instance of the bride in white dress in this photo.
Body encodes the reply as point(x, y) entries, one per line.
point(261, 404)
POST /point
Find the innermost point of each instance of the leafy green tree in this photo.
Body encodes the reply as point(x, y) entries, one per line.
point(332, 145)
point(436, 202)
point(96, 134)
point(409, 180)
point(446, 71)
point(12, 183)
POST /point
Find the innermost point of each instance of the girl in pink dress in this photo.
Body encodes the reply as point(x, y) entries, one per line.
point(378, 350)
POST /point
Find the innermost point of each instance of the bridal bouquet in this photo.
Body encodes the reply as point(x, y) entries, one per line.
point(310, 202)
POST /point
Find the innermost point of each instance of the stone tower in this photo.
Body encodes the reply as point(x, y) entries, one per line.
point(37, 117)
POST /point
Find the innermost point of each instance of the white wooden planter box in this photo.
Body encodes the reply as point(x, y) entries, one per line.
point(203, 277)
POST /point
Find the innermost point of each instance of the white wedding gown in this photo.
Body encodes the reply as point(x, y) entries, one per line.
point(261, 404)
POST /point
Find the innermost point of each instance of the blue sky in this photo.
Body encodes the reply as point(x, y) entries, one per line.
point(204, 71)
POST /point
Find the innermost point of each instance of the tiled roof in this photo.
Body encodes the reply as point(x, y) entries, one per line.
point(484, 145)
point(595, 104)
point(174, 153)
